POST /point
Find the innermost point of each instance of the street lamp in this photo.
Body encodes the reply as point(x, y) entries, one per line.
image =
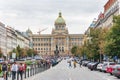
point(100, 56)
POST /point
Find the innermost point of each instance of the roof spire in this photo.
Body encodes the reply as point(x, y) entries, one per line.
point(60, 14)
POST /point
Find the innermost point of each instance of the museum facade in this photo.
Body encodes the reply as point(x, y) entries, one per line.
point(45, 44)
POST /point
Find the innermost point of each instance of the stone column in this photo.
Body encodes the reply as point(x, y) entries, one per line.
point(52, 45)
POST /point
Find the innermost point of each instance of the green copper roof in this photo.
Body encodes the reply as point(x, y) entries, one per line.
point(60, 20)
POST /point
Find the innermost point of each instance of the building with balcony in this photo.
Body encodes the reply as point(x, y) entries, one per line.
point(3, 38)
point(11, 39)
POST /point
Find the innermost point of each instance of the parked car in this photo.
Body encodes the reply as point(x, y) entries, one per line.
point(105, 65)
point(99, 66)
point(54, 62)
point(116, 70)
point(90, 64)
point(93, 66)
point(29, 58)
point(110, 68)
point(85, 63)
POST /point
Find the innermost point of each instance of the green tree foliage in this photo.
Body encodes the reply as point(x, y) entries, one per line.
point(93, 45)
point(23, 52)
point(102, 38)
point(112, 46)
point(30, 52)
point(19, 51)
point(74, 50)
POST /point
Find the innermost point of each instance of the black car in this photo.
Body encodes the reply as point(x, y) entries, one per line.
point(93, 66)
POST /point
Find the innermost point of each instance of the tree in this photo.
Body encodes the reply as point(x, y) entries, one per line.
point(112, 46)
point(30, 52)
point(102, 38)
point(19, 51)
point(23, 52)
point(93, 46)
point(74, 50)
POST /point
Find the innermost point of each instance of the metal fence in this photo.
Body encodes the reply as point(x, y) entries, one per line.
point(29, 72)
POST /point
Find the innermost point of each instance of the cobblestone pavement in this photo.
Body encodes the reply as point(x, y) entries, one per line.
point(63, 72)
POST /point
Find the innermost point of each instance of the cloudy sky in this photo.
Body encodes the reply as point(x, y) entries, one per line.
point(40, 14)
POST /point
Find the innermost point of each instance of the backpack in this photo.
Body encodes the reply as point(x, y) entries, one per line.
point(21, 68)
point(4, 67)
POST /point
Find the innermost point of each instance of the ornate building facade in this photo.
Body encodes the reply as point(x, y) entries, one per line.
point(45, 44)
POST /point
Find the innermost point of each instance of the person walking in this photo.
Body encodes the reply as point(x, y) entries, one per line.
point(74, 63)
point(80, 63)
point(69, 62)
point(4, 70)
point(14, 69)
point(20, 71)
point(9, 70)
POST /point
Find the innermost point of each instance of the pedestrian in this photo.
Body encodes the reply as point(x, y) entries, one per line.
point(80, 63)
point(14, 69)
point(74, 63)
point(4, 70)
point(20, 71)
point(69, 62)
point(9, 70)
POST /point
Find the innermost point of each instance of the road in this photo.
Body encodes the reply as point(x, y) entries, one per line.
point(63, 72)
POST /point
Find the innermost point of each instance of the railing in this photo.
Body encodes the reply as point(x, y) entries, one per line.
point(27, 73)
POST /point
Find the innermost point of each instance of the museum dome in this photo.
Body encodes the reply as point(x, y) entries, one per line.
point(60, 19)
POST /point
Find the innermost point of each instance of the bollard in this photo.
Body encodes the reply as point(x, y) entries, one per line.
point(25, 73)
point(17, 75)
point(37, 70)
point(33, 71)
point(28, 72)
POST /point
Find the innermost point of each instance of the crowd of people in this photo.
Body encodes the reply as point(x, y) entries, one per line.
point(18, 68)
point(74, 62)
point(8, 70)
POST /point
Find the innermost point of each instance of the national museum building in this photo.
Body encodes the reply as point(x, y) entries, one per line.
point(45, 44)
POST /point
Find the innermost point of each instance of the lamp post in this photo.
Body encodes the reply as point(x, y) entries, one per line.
point(100, 56)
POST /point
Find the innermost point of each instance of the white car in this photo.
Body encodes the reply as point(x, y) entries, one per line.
point(105, 65)
point(99, 66)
